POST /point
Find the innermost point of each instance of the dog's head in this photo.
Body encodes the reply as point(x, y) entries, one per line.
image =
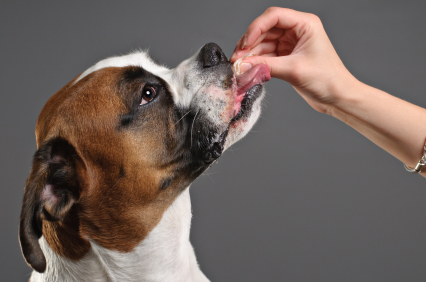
point(119, 143)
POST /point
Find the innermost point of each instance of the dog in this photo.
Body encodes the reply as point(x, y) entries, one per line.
point(107, 198)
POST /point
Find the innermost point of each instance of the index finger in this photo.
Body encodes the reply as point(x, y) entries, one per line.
point(273, 17)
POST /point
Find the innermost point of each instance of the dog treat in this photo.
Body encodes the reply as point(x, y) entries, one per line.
point(237, 64)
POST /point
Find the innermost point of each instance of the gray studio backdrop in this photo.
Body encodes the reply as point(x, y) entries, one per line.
point(301, 198)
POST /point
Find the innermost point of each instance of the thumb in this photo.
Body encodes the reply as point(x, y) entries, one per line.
point(280, 67)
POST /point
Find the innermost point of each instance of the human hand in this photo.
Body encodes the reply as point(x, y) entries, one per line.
point(296, 48)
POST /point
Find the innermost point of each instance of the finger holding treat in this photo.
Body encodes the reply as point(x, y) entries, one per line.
point(296, 48)
point(279, 28)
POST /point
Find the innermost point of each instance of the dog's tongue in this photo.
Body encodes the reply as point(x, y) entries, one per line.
point(258, 74)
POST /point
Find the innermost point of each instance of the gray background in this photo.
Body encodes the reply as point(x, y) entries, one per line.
point(303, 197)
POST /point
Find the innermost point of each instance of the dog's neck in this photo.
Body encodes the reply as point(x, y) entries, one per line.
point(164, 255)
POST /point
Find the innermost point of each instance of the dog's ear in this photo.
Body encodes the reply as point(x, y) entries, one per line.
point(50, 191)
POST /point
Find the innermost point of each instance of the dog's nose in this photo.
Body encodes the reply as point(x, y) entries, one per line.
point(212, 55)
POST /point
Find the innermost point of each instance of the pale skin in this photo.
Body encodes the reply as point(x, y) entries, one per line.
point(297, 49)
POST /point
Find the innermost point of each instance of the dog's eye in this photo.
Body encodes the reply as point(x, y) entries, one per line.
point(148, 93)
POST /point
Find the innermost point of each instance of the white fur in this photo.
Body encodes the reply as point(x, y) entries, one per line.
point(138, 58)
point(165, 255)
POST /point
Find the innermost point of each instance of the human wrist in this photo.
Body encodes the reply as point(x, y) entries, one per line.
point(345, 91)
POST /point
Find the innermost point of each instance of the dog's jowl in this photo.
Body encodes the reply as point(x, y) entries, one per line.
point(107, 197)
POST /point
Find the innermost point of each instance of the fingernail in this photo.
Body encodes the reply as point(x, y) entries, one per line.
point(232, 57)
point(244, 41)
point(245, 67)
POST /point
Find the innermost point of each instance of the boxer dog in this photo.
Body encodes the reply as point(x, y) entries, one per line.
point(107, 197)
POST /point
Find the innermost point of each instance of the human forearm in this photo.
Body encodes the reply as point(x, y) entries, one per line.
point(395, 125)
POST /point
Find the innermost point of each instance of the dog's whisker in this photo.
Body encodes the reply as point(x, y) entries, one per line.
point(210, 173)
point(264, 118)
point(211, 178)
point(192, 126)
point(179, 120)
